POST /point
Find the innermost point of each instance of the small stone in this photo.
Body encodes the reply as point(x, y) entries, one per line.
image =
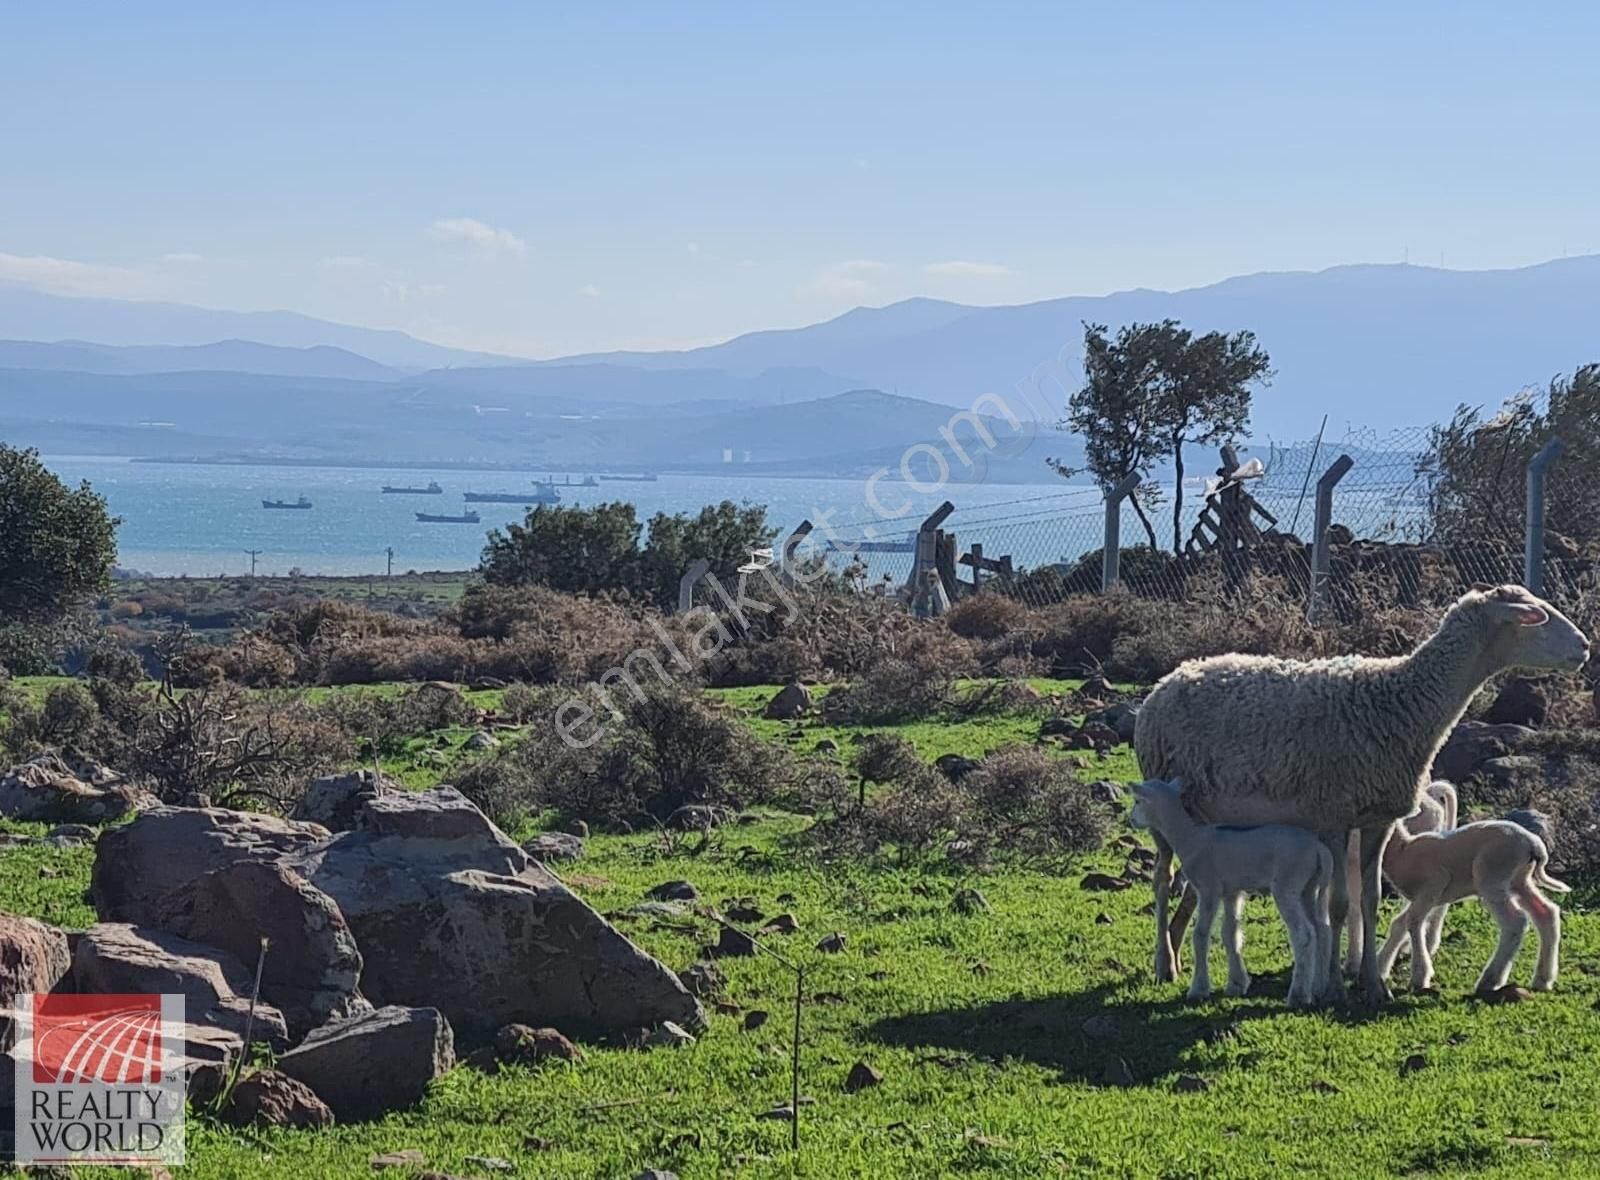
point(1189, 1083)
point(785, 899)
point(482, 740)
point(792, 700)
point(1103, 883)
point(861, 1077)
point(755, 1018)
point(668, 1036)
point(743, 911)
point(969, 901)
point(489, 1163)
point(483, 1060)
point(778, 1114)
point(1102, 919)
point(272, 1099)
point(1509, 994)
point(782, 924)
point(828, 998)
point(1118, 1074)
point(408, 1158)
point(536, 1143)
point(1321, 1086)
point(579, 829)
point(734, 944)
point(833, 944)
point(674, 891)
point(520, 1044)
point(1413, 1063)
point(703, 979)
point(877, 976)
point(827, 746)
point(552, 847)
point(1101, 1027)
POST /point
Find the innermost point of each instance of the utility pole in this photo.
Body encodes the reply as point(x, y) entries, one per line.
point(254, 553)
point(389, 574)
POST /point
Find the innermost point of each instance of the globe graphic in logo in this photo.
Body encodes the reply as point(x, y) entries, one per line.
point(99, 1039)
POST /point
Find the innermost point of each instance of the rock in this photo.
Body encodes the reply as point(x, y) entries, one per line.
point(482, 740)
point(1520, 702)
point(450, 913)
point(955, 767)
point(138, 866)
point(1121, 718)
point(669, 1036)
point(369, 1065)
point(861, 1077)
point(408, 1157)
point(554, 847)
point(1189, 1083)
point(336, 800)
point(1117, 1073)
point(267, 1098)
point(733, 944)
point(1509, 994)
point(518, 1044)
point(489, 1163)
point(1097, 736)
point(782, 924)
point(33, 958)
point(755, 1018)
point(210, 1053)
point(793, 700)
point(1513, 772)
point(1101, 1027)
point(1534, 820)
point(827, 746)
point(1058, 727)
point(705, 980)
point(1473, 743)
point(969, 901)
point(1107, 792)
point(741, 910)
point(1413, 1063)
point(117, 958)
point(674, 891)
point(698, 817)
point(656, 1174)
point(48, 789)
point(832, 944)
point(312, 964)
point(1103, 883)
point(71, 834)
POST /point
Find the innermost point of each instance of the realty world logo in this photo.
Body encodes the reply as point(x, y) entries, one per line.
point(100, 1079)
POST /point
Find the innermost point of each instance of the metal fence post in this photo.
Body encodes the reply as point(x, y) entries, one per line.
point(689, 581)
point(1111, 552)
point(1533, 551)
point(922, 558)
point(786, 558)
point(1319, 549)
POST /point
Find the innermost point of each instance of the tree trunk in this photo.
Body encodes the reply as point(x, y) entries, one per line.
point(1177, 495)
point(1149, 529)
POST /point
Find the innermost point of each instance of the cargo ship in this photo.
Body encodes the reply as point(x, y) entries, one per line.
point(433, 489)
point(643, 477)
point(446, 518)
point(302, 502)
point(542, 493)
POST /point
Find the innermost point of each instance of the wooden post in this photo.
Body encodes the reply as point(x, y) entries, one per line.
point(689, 581)
point(977, 568)
point(924, 555)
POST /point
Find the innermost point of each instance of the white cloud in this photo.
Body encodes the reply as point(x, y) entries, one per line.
point(846, 280)
point(968, 270)
point(62, 276)
point(592, 291)
point(470, 232)
point(183, 256)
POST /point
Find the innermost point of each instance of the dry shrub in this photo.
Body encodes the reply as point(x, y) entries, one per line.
point(523, 702)
point(916, 681)
point(989, 616)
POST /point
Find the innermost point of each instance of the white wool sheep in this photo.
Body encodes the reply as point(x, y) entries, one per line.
point(1500, 862)
point(1333, 746)
point(1436, 812)
point(1223, 864)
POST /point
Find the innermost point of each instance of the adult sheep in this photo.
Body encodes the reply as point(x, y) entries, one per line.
point(1334, 746)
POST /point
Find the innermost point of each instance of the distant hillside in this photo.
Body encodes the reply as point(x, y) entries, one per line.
point(234, 356)
point(26, 314)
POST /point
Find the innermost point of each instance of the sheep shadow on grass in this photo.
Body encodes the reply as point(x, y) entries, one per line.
point(1089, 1036)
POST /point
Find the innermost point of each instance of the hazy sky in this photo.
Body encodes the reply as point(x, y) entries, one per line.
point(543, 179)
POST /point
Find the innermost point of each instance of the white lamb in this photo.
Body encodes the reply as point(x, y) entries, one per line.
point(1497, 860)
point(1222, 864)
point(1333, 746)
point(1436, 812)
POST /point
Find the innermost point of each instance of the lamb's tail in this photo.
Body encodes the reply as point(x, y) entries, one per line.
point(1544, 880)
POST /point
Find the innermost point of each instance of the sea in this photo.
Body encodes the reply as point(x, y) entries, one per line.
point(203, 520)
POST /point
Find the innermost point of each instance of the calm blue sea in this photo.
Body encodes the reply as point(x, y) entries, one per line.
point(182, 519)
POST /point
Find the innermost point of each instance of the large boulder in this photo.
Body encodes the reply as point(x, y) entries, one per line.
point(450, 913)
point(118, 958)
point(312, 965)
point(269, 1098)
point(1521, 702)
point(792, 700)
point(335, 801)
point(1472, 743)
point(33, 958)
point(382, 1061)
point(139, 865)
point(48, 789)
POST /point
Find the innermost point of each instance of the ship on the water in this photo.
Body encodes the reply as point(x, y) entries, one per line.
point(642, 477)
point(446, 518)
point(587, 481)
point(433, 489)
point(542, 493)
point(302, 502)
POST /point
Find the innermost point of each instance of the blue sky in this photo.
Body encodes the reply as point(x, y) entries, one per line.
point(541, 179)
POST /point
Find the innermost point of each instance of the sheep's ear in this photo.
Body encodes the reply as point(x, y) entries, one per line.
point(1482, 587)
point(1524, 614)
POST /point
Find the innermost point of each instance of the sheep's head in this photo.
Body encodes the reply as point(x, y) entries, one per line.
point(1525, 631)
point(1151, 799)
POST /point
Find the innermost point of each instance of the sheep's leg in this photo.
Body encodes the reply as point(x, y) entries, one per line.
point(1399, 938)
point(1233, 942)
point(1513, 925)
point(1373, 989)
point(1351, 867)
point(1180, 917)
point(1436, 928)
point(1421, 960)
point(1314, 900)
point(1333, 989)
point(1303, 945)
point(1546, 917)
point(1205, 915)
point(1166, 960)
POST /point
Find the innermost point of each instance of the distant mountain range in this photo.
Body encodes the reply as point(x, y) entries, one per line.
point(1375, 346)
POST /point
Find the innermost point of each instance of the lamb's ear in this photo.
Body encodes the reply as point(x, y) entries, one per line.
point(1482, 587)
point(1524, 614)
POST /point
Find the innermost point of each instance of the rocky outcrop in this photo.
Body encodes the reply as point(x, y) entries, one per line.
point(138, 866)
point(114, 957)
point(335, 800)
point(792, 700)
point(372, 1064)
point(312, 965)
point(1472, 743)
point(33, 958)
point(49, 789)
point(268, 1098)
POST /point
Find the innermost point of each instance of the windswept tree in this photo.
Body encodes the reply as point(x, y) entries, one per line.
point(57, 543)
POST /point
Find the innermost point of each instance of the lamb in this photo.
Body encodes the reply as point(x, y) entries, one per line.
point(1222, 864)
point(1261, 740)
point(1436, 812)
point(1502, 863)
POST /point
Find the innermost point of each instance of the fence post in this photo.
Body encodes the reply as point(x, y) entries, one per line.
point(687, 583)
point(1319, 548)
point(923, 557)
point(1533, 552)
point(977, 568)
point(786, 553)
point(1111, 553)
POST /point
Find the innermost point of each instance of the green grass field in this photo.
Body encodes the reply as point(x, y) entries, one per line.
point(977, 1024)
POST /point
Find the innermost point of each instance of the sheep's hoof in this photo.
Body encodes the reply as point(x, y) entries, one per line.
point(1237, 988)
point(1376, 995)
point(1197, 997)
point(1543, 985)
point(1427, 989)
point(1334, 992)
